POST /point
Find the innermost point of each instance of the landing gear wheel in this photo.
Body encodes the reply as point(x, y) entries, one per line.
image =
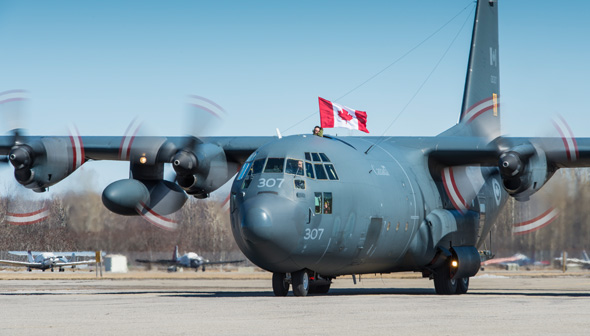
point(443, 284)
point(279, 286)
point(462, 285)
point(300, 281)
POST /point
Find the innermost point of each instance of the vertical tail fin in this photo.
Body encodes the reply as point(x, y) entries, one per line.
point(175, 256)
point(480, 112)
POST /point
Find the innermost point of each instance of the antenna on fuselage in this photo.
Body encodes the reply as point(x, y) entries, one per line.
point(279, 134)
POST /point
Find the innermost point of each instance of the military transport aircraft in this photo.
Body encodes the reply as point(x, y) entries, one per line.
point(45, 260)
point(190, 259)
point(361, 205)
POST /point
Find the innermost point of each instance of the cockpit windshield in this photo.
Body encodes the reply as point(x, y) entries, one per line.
point(257, 166)
point(315, 166)
point(294, 167)
point(274, 165)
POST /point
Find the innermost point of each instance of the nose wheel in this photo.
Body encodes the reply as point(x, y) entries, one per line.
point(280, 286)
point(300, 281)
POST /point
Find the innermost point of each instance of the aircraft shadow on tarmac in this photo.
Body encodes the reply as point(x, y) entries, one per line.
point(380, 291)
point(333, 292)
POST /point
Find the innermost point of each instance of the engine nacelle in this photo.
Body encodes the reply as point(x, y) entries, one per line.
point(201, 170)
point(44, 162)
point(465, 261)
point(524, 170)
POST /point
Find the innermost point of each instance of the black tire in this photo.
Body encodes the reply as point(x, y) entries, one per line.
point(462, 285)
point(300, 281)
point(443, 284)
point(279, 286)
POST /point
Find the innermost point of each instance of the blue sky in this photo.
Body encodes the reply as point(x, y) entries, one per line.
point(99, 64)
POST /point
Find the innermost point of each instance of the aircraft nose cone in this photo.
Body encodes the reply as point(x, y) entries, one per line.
point(257, 225)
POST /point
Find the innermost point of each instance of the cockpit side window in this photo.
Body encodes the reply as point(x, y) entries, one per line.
point(318, 202)
point(294, 167)
point(309, 170)
point(257, 166)
point(316, 157)
point(320, 173)
point(246, 168)
point(274, 165)
point(327, 202)
point(248, 180)
point(331, 172)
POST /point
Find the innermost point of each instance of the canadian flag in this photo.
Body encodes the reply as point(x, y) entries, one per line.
point(334, 115)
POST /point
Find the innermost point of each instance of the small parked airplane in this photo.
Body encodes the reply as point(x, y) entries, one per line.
point(584, 263)
point(518, 258)
point(190, 259)
point(45, 260)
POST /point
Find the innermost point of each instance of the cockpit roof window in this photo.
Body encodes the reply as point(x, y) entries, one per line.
point(320, 173)
point(316, 157)
point(294, 167)
point(274, 165)
point(257, 166)
point(307, 156)
point(309, 170)
point(324, 157)
point(331, 172)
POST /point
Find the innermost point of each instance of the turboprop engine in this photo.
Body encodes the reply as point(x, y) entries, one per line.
point(200, 169)
point(524, 170)
point(42, 163)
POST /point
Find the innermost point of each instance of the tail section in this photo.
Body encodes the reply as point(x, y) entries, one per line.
point(175, 256)
point(480, 112)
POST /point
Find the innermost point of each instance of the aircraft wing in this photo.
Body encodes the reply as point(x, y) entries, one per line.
point(19, 263)
point(58, 254)
point(237, 149)
point(574, 261)
point(559, 152)
point(201, 165)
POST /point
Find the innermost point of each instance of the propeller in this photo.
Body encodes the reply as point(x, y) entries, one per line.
point(22, 208)
point(198, 167)
point(201, 167)
point(524, 167)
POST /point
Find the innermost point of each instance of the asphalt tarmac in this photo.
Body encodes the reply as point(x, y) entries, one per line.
point(238, 304)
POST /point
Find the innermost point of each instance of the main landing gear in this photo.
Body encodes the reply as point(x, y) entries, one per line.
point(444, 283)
point(303, 282)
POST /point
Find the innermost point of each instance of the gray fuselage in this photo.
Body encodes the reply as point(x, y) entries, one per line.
point(364, 218)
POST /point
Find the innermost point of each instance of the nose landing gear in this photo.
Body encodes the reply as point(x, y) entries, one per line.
point(280, 285)
point(300, 281)
point(303, 281)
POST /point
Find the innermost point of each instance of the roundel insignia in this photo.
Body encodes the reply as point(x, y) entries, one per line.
point(497, 191)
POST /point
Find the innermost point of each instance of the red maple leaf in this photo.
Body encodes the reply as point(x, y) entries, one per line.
point(343, 114)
